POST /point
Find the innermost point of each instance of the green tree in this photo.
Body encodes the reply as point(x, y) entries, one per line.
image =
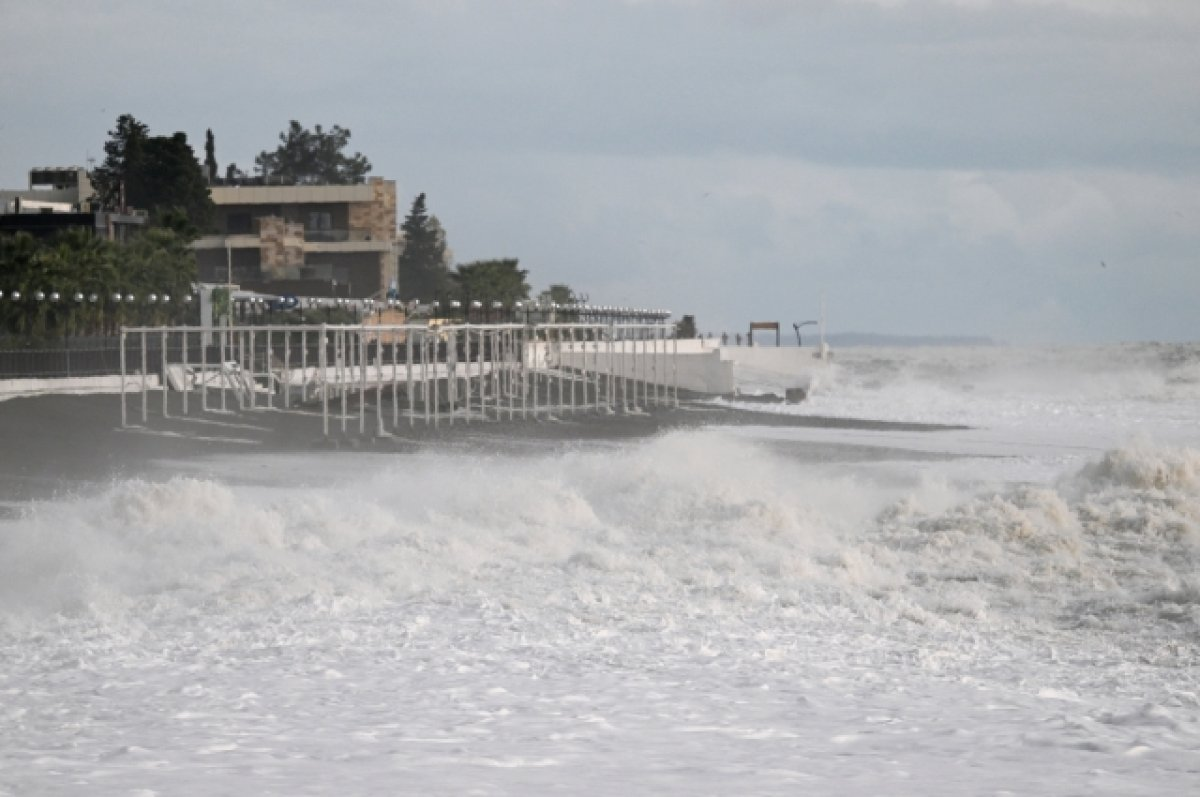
point(438, 236)
point(686, 327)
point(173, 182)
point(210, 156)
point(123, 162)
point(421, 268)
point(87, 264)
point(313, 156)
point(560, 294)
point(159, 261)
point(491, 280)
point(21, 269)
point(159, 174)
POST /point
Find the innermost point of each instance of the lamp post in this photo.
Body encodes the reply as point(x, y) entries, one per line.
point(796, 326)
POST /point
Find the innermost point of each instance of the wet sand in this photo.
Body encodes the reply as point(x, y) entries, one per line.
point(65, 443)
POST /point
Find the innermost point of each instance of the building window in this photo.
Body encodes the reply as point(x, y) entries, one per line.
point(322, 271)
point(239, 224)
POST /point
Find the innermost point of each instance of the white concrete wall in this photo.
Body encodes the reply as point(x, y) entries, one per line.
point(691, 369)
point(789, 359)
point(774, 368)
point(12, 388)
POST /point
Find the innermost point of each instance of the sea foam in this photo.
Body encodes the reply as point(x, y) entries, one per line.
point(650, 527)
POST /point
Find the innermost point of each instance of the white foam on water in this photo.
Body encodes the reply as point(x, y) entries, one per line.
point(709, 611)
point(1075, 394)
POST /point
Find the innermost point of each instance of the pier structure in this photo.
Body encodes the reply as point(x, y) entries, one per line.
point(383, 380)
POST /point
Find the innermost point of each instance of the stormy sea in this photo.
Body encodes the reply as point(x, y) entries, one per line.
point(1009, 604)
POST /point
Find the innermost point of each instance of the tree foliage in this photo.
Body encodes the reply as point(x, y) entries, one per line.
point(159, 261)
point(210, 156)
point(159, 174)
point(122, 164)
point(172, 182)
point(686, 327)
point(491, 280)
point(314, 157)
point(560, 294)
point(422, 271)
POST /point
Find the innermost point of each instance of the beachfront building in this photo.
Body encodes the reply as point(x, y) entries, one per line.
point(306, 240)
point(60, 198)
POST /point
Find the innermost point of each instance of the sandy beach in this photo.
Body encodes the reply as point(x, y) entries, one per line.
point(64, 443)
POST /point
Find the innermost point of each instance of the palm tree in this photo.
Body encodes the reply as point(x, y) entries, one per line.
point(18, 262)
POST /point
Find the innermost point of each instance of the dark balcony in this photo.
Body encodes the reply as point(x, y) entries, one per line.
point(335, 236)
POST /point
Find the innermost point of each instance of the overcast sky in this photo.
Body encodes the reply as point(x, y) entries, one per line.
point(1028, 171)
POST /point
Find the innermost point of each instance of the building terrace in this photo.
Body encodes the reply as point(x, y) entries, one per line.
point(314, 240)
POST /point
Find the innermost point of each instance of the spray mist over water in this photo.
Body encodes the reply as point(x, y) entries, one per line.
point(634, 611)
point(1086, 389)
point(644, 531)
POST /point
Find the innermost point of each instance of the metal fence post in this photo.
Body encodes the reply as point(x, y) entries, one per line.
point(426, 388)
point(145, 387)
point(362, 379)
point(163, 378)
point(675, 368)
point(124, 417)
point(522, 340)
point(323, 363)
point(408, 376)
point(204, 372)
point(268, 362)
point(395, 382)
point(343, 372)
point(249, 379)
point(187, 385)
point(303, 365)
point(287, 370)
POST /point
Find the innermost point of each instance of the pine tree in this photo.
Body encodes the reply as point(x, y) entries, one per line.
point(313, 156)
point(491, 280)
point(210, 156)
point(560, 294)
point(159, 174)
point(422, 272)
point(113, 179)
point(173, 182)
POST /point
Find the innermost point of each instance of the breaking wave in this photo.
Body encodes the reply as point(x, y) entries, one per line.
point(1011, 386)
point(696, 521)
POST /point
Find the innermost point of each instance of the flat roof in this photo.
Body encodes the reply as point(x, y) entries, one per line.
point(291, 194)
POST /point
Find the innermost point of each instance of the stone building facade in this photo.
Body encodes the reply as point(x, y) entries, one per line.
point(311, 240)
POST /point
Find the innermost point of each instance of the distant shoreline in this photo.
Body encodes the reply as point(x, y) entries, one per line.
point(849, 339)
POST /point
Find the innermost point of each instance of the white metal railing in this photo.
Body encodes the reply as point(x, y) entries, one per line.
point(402, 375)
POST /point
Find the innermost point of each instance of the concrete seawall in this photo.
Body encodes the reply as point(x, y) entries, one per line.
point(670, 362)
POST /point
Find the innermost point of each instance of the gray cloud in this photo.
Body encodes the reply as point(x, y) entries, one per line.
point(934, 167)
